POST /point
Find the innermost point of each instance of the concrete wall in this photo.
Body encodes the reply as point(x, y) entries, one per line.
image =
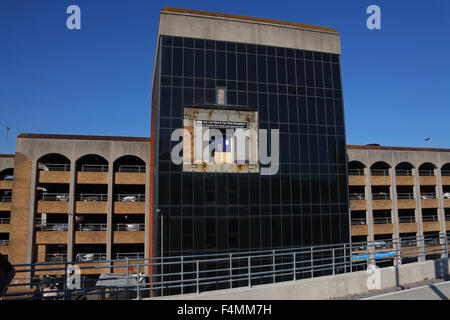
point(330, 286)
point(182, 24)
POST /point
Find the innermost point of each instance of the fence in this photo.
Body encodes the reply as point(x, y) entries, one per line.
point(199, 273)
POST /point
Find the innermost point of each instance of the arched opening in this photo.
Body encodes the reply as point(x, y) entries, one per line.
point(356, 168)
point(404, 169)
point(427, 169)
point(445, 170)
point(54, 162)
point(129, 164)
point(380, 168)
point(92, 163)
point(7, 174)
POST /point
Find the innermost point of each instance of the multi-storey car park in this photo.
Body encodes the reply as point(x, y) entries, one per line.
point(67, 198)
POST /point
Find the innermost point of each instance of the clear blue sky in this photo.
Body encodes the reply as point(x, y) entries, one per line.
point(98, 80)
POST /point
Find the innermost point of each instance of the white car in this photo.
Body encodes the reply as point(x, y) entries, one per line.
point(447, 195)
point(129, 199)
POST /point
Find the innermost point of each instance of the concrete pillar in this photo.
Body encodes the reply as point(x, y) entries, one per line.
point(32, 214)
point(418, 211)
point(71, 211)
point(441, 210)
point(109, 226)
point(369, 212)
point(147, 242)
point(394, 211)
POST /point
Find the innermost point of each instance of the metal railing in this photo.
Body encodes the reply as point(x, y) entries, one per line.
point(54, 196)
point(56, 257)
point(129, 255)
point(405, 196)
point(358, 221)
point(428, 173)
point(90, 256)
point(5, 198)
point(379, 172)
point(382, 220)
point(91, 227)
point(445, 173)
point(91, 197)
point(357, 196)
point(381, 196)
point(4, 242)
point(55, 167)
point(407, 219)
point(430, 218)
point(129, 227)
point(5, 220)
point(52, 227)
point(130, 197)
point(94, 168)
point(199, 273)
point(131, 168)
point(356, 172)
point(403, 172)
point(428, 195)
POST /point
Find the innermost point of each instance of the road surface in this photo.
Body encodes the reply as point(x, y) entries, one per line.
point(437, 291)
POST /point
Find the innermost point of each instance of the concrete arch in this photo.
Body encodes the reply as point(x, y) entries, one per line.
point(403, 165)
point(6, 172)
point(380, 165)
point(91, 160)
point(356, 164)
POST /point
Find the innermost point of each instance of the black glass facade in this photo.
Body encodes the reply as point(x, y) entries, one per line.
point(299, 93)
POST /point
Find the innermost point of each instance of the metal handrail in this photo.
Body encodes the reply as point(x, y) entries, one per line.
point(91, 227)
point(5, 220)
point(382, 220)
point(445, 173)
point(356, 172)
point(426, 173)
point(381, 196)
point(129, 226)
point(52, 227)
point(357, 196)
point(5, 198)
point(405, 195)
point(379, 172)
point(198, 273)
point(403, 172)
point(94, 168)
point(56, 257)
point(4, 242)
point(138, 197)
point(61, 196)
point(406, 219)
point(430, 218)
point(55, 167)
point(358, 221)
point(91, 197)
point(130, 255)
point(428, 195)
point(131, 168)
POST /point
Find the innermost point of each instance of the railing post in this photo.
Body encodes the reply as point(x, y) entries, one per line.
point(446, 246)
point(334, 265)
point(182, 275)
point(295, 266)
point(231, 271)
point(350, 254)
point(138, 282)
point(273, 266)
point(197, 267)
point(249, 271)
point(312, 263)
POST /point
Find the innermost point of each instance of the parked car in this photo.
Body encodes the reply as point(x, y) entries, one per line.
point(59, 227)
point(8, 178)
point(62, 197)
point(129, 199)
point(447, 195)
point(132, 227)
point(380, 244)
point(85, 257)
point(91, 198)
